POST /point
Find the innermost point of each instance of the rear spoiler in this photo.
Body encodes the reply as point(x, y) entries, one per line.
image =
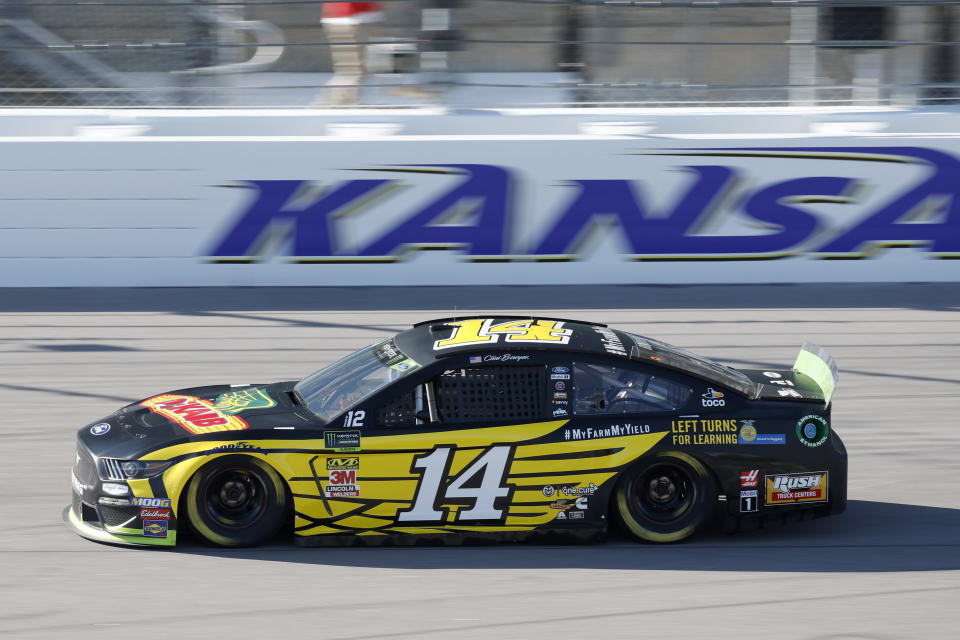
point(814, 362)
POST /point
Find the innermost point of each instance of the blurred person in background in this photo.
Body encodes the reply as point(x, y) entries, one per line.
point(346, 24)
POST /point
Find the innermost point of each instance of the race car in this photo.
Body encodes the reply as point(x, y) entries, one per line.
point(471, 428)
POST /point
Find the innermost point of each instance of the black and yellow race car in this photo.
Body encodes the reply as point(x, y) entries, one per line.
point(465, 428)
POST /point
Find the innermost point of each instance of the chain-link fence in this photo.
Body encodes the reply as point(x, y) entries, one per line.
point(479, 53)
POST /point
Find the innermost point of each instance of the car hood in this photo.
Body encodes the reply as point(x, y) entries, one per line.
point(220, 412)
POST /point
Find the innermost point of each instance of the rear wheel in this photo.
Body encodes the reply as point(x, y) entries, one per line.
point(236, 501)
point(666, 498)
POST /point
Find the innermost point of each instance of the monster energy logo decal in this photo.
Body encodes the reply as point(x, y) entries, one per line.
point(236, 401)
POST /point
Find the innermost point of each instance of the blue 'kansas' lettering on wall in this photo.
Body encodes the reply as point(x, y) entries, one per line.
point(310, 229)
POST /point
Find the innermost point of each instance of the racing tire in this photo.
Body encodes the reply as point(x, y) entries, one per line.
point(666, 498)
point(236, 501)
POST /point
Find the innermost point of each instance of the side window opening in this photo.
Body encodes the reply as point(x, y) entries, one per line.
point(602, 389)
point(401, 411)
point(475, 394)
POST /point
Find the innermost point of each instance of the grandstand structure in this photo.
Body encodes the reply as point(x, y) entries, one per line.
point(480, 53)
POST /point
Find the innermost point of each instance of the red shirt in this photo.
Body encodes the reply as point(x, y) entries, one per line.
point(349, 9)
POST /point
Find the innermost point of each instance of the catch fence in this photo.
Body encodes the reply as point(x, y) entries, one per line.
point(480, 53)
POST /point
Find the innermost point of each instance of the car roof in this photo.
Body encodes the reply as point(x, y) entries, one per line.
point(443, 337)
point(434, 339)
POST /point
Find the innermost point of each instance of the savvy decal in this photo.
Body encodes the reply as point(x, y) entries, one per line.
point(924, 213)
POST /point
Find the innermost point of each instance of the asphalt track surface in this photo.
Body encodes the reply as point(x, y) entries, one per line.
point(888, 568)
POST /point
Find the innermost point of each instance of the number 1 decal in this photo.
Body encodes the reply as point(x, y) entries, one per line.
point(491, 466)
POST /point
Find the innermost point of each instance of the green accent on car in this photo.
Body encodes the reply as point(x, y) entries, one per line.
point(236, 401)
point(816, 363)
point(93, 533)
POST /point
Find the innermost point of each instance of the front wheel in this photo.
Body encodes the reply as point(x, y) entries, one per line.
point(236, 501)
point(667, 498)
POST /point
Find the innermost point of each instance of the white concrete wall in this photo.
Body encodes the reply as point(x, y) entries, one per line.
point(187, 198)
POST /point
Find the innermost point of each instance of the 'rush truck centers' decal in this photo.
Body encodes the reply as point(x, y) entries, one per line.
point(193, 414)
point(791, 488)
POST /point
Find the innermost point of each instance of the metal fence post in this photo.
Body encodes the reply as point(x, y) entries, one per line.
point(803, 56)
point(437, 39)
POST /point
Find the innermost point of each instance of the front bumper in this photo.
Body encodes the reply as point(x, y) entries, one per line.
point(131, 520)
point(135, 538)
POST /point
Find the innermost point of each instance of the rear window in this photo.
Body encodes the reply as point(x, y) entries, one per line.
point(601, 389)
point(696, 365)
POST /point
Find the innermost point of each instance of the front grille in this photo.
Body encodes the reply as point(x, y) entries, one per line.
point(110, 469)
point(117, 516)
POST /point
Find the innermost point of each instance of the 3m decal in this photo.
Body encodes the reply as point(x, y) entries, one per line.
point(748, 501)
point(342, 484)
point(749, 479)
point(480, 331)
point(236, 401)
point(155, 528)
point(342, 440)
point(793, 488)
point(161, 503)
point(478, 486)
point(813, 430)
point(196, 415)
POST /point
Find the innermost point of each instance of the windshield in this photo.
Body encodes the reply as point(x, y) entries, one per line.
point(697, 365)
point(351, 380)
